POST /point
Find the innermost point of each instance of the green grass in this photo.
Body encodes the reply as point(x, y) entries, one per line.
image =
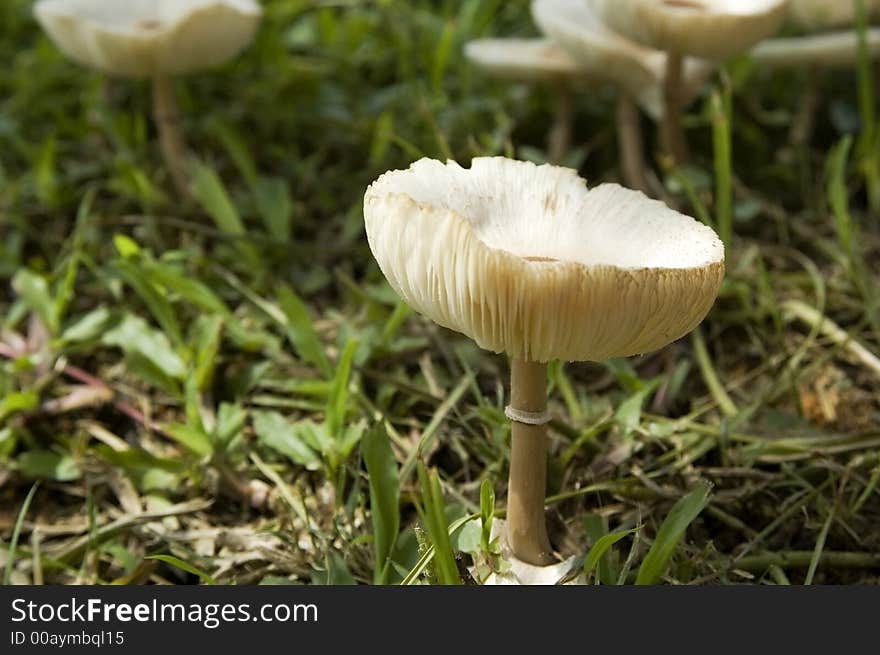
point(226, 390)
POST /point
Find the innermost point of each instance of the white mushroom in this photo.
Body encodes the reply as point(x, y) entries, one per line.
point(155, 39)
point(635, 70)
point(526, 260)
point(815, 15)
point(828, 50)
point(710, 29)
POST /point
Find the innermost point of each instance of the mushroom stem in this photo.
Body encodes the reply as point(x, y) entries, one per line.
point(629, 142)
point(167, 117)
point(559, 138)
point(673, 137)
point(804, 122)
point(526, 527)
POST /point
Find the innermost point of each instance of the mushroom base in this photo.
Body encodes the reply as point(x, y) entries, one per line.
point(522, 573)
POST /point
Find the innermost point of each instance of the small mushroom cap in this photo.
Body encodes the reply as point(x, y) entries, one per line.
point(816, 15)
point(830, 50)
point(524, 259)
point(138, 38)
point(522, 59)
point(604, 54)
point(712, 29)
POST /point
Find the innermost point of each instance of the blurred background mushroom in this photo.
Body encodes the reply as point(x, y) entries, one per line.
point(709, 29)
point(637, 73)
point(815, 15)
point(839, 49)
point(525, 260)
point(152, 39)
point(534, 61)
point(814, 49)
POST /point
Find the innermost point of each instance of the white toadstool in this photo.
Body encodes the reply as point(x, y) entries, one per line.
point(709, 29)
point(816, 52)
point(525, 260)
point(816, 15)
point(635, 70)
point(156, 39)
point(533, 61)
point(827, 50)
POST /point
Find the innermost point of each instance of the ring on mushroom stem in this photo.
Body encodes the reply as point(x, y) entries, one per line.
point(156, 40)
point(527, 260)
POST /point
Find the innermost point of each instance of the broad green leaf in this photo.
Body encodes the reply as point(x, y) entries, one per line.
point(596, 527)
point(34, 291)
point(237, 150)
point(335, 571)
point(384, 497)
point(629, 414)
point(231, 418)
point(155, 298)
point(49, 465)
point(186, 286)
point(208, 331)
point(469, 538)
point(87, 327)
point(126, 246)
point(670, 533)
point(278, 433)
point(18, 401)
point(208, 189)
point(191, 438)
point(8, 441)
point(133, 335)
point(275, 207)
point(122, 554)
point(301, 331)
point(601, 547)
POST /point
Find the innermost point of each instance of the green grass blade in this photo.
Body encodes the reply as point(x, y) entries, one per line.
point(384, 498)
point(820, 547)
point(301, 330)
point(601, 547)
point(723, 153)
point(34, 291)
point(670, 534)
point(487, 513)
point(178, 563)
point(16, 533)
point(432, 513)
point(337, 402)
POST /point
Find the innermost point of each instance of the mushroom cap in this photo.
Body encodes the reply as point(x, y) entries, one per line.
point(712, 29)
point(816, 15)
point(524, 259)
point(522, 59)
point(138, 38)
point(829, 50)
point(602, 53)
